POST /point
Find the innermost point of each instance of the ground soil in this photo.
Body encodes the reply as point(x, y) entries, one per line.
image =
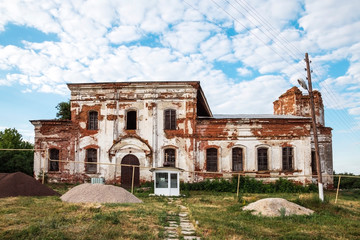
point(20, 184)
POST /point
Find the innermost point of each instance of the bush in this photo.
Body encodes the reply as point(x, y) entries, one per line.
point(247, 185)
point(347, 182)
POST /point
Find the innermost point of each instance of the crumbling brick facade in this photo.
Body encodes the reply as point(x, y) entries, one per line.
point(155, 124)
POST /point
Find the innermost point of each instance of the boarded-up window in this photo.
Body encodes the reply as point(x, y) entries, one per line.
point(287, 158)
point(93, 120)
point(211, 160)
point(262, 159)
point(54, 155)
point(237, 159)
point(91, 158)
point(170, 119)
point(131, 120)
point(169, 155)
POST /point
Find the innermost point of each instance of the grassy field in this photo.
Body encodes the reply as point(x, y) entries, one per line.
point(218, 216)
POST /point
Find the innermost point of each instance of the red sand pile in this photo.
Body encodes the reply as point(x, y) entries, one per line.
point(20, 184)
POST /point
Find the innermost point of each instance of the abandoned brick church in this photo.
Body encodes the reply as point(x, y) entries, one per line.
point(156, 124)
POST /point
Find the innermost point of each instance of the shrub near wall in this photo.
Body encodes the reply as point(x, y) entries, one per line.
point(247, 185)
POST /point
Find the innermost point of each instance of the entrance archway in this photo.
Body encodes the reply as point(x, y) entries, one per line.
point(127, 171)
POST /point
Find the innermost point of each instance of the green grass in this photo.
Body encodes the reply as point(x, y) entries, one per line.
point(219, 216)
point(50, 218)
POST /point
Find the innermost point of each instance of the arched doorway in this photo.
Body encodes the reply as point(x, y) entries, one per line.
point(127, 171)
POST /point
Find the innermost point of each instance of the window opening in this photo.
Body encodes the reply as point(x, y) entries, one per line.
point(287, 158)
point(54, 155)
point(91, 157)
point(93, 120)
point(169, 155)
point(262, 159)
point(313, 163)
point(162, 180)
point(211, 160)
point(131, 120)
point(170, 119)
point(237, 158)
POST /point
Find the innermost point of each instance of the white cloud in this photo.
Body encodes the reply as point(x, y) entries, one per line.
point(123, 34)
point(187, 36)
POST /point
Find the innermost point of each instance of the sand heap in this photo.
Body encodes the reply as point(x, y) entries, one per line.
point(273, 207)
point(99, 193)
point(20, 184)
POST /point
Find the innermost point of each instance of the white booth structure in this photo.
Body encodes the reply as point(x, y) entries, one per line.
point(167, 181)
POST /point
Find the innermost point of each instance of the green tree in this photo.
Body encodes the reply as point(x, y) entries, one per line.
point(64, 111)
point(15, 161)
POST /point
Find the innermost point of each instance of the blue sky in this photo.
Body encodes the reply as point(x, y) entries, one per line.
point(245, 53)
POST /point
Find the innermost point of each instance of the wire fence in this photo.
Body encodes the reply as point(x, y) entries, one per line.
point(229, 175)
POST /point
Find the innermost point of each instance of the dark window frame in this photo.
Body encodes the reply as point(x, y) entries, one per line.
point(288, 158)
point(237, 159)
point(263, 159)
point(313, 162)
point(169, 157)
point(54, 154)
point(131, 119)
point(91, 156)
point(170, 119)
point(93, 120)
point(212, 159)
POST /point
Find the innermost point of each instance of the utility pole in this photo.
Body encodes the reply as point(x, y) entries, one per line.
point(316, 142)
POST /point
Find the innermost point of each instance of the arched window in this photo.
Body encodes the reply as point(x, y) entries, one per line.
point(91, 157)
point(170, 119)
point(93, 120)
point(211, 160)
point(287, 158)
point(131, 120)
point(262, 155)
point(237, 159)
point(54, 155)
point(169, 157)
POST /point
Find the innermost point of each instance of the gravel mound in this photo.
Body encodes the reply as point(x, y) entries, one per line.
point(99, 193)
point(273, 207)
point(20, 184)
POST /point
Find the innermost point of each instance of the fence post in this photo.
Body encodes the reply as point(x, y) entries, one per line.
point(337, 191)
point(132, 180)
point(238, 186)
